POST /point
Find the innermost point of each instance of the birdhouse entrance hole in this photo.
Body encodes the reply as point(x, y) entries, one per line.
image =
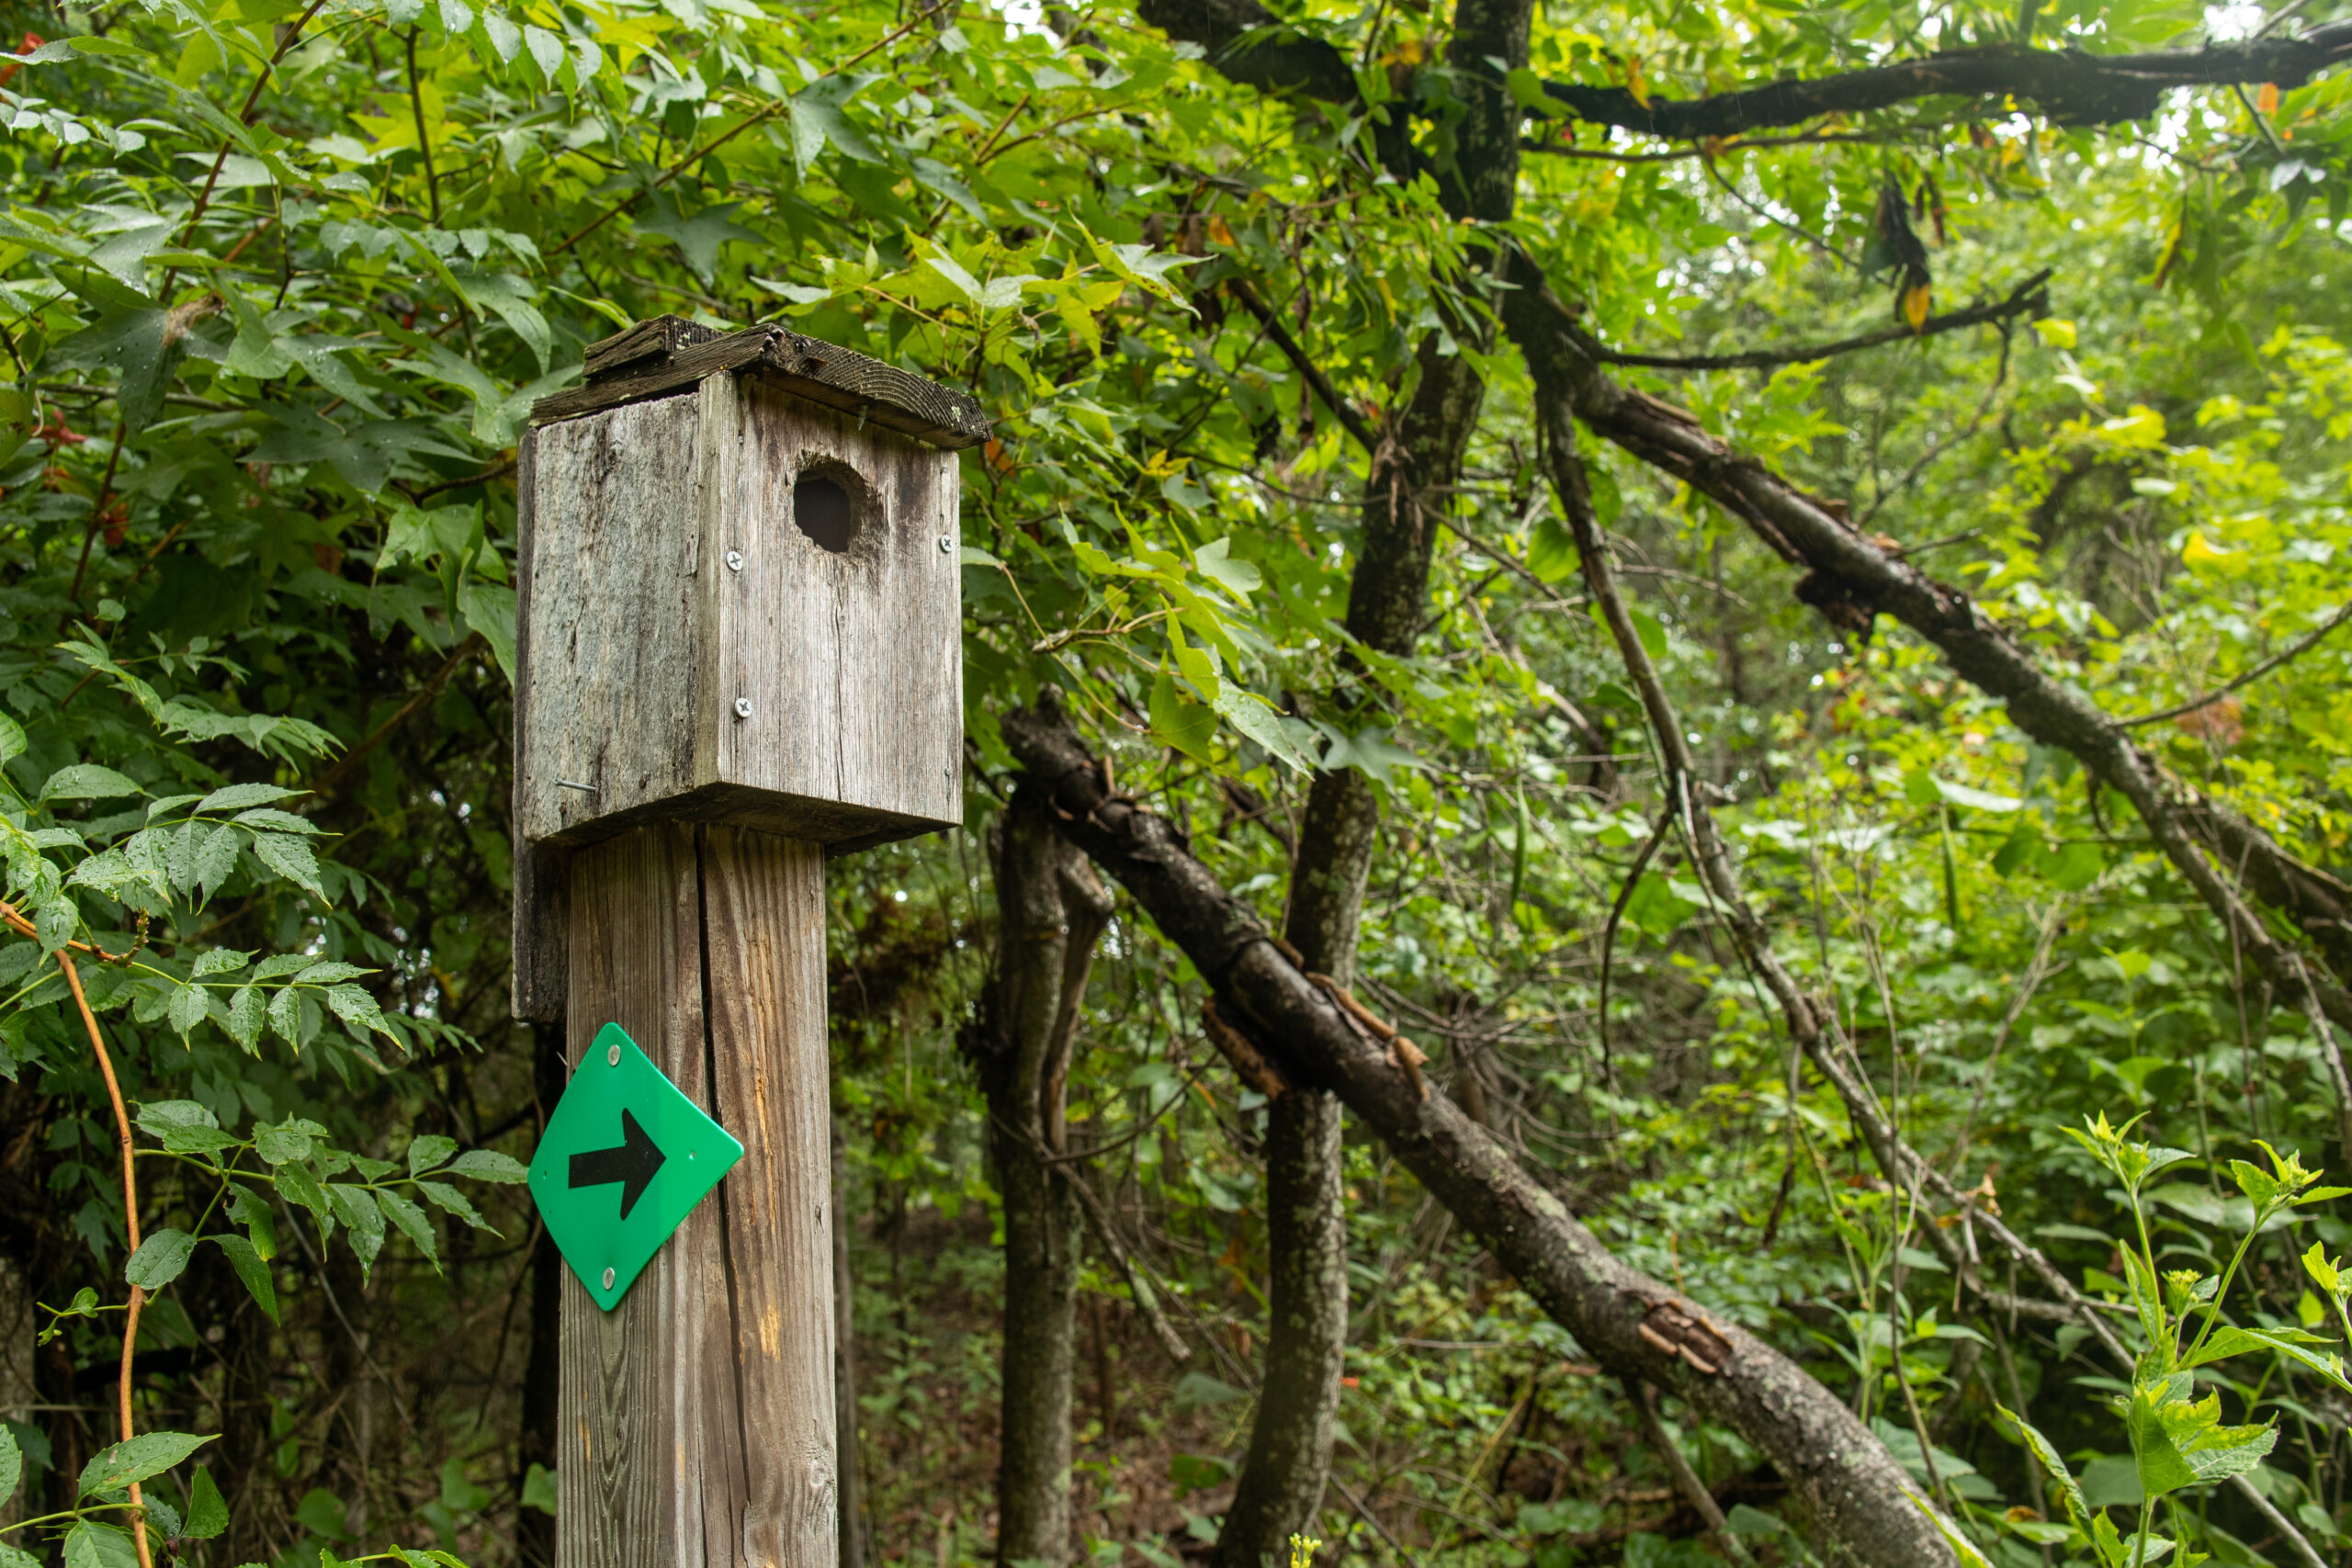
point(825, 512)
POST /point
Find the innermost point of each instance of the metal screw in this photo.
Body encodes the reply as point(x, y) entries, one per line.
point(608, 1279)
point(582, 789)
point(734, 560)
point(612, 1056)
point(742, 708)
point(946, 545)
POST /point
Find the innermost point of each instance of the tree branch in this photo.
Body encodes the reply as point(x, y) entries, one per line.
point(2029, 298)
point(2072, 86)
point(1637, 1327)
point(1249, 44)
point(2286, 655)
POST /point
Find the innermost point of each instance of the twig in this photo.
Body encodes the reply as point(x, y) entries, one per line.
point(2028, 296)
point(1685, 1480)
point(130, 1224)
point(329, 781)
point(757, 116)
point(424, 141)
point(1350, 419)
point(2292, 652)
point(1608, 935)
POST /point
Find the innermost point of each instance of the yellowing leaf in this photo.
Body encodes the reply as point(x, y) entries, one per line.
point(2199, 552)
point(1915, 306)
point(2055, 334)
point(2266, 100)
point(1635, 83)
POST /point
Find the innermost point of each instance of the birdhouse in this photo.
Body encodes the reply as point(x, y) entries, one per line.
point(739, 593)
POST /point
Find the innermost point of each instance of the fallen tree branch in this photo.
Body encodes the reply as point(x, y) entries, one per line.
point(1841, 1477)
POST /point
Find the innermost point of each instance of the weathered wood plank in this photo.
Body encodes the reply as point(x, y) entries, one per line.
point(764, 904)
point(633, 371)
point(872, 635)
point(639, 1459)
point(607, 707)
point(657, 337)
point(698, 1417)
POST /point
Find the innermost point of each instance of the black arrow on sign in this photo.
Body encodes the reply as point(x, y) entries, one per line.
point(634, 1164)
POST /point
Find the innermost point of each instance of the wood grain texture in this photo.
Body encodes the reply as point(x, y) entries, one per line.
point(665, 356)
point(697, 1418)
point(868, 641)
point(607, 695)
point(763, 905)
point(641, 640)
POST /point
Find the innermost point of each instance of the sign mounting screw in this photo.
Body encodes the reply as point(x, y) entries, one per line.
point(608, 1279)
point(945, 544)
point(734, 560)
point(612, 1056)
point(742, 708)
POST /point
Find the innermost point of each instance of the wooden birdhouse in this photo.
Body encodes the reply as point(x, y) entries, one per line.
point(739, 594)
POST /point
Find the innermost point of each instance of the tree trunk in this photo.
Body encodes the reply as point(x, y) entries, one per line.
point(1050, 912)
point(1856, 1499)
point(1306, 1239)
point(1409, 489)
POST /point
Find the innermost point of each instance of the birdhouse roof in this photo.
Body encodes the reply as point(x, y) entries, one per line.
point(668, 355)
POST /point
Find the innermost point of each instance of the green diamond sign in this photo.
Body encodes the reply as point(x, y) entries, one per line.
point(624, 1161)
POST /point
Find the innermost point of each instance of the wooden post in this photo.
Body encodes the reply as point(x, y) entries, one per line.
point(739, 638)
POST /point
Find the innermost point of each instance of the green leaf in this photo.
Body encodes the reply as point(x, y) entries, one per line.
point(219, 961)
point(159, 1260)
point(188, 1007)
point(291, 857)
point(698, 235)
point(1550, 551)
point(412, 1223)
point(159, 1116)
point(2226, 1342)
point(252, 1269)
point(1214, 560)
point(489, 1165)
point(87, 781)
point(245, 1011)
point(1974, 799)
point(208, 1513)
point(355, 1207)
point(427, 1153)
point(2054, 1467)
point(150, 1453)
point(93, 1545)
point(12, 1464)
point(1179, 722)
point(239, 798)
point(282, 1143)
point(448, 1199)
point(357, 1008)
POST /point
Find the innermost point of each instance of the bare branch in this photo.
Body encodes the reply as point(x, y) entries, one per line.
point(2029, 298)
